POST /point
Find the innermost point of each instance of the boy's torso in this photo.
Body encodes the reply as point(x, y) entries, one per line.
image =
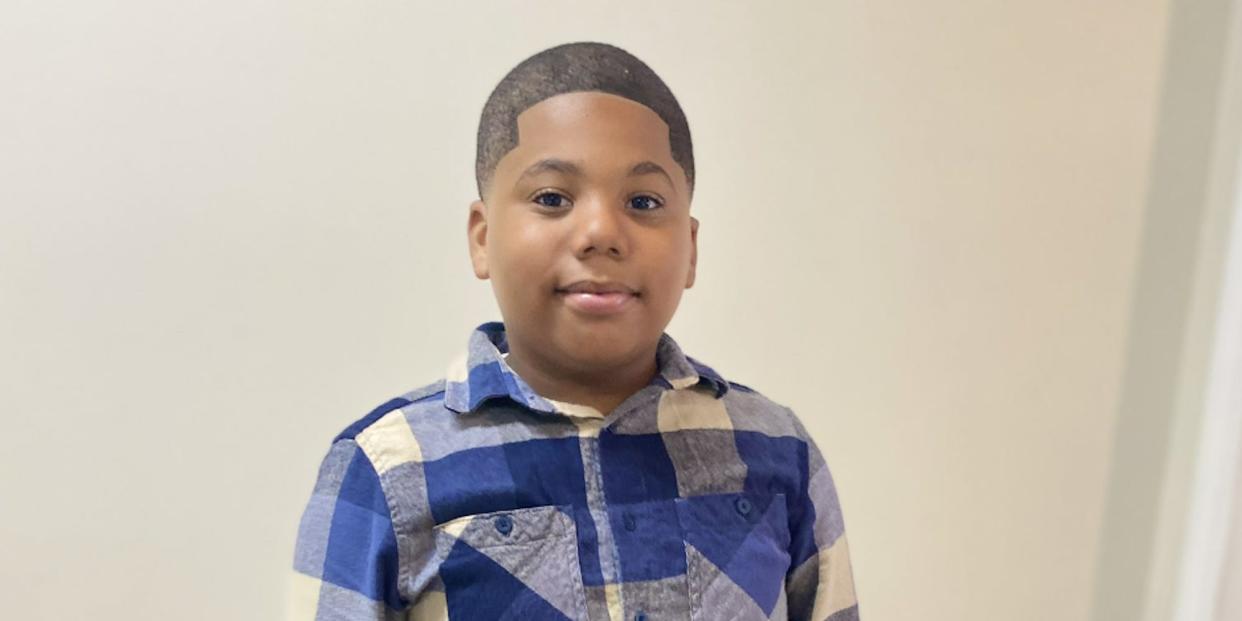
point(507, 505)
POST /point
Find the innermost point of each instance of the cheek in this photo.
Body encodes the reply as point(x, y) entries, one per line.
point(671, 264)
point(522, 266)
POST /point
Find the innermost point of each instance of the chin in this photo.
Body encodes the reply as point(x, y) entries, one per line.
point(602, 346)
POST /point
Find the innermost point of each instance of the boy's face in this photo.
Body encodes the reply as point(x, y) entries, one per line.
point(587, 243)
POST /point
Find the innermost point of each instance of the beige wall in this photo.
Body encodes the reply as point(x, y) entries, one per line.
point(229, 229)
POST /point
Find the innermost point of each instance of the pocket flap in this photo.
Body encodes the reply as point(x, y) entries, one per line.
point(741, 510)
point(512, 527)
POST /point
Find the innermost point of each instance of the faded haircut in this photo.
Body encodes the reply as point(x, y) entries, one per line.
point(568, 68)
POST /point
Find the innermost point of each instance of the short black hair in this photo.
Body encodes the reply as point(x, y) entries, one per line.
point(568, 68)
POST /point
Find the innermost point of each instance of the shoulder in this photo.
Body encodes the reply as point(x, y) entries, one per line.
point(751, 410)
point(426, 397)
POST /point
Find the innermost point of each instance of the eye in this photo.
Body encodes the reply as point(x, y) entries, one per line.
point(551, 199)
point(645, 203)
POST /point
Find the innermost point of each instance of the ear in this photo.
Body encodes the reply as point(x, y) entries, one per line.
point(694, 250)
point(476, 236)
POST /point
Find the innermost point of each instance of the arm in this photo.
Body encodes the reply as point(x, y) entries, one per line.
point(345, 560)
point(820, 584)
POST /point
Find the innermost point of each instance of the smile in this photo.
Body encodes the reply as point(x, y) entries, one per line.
point(601, 303)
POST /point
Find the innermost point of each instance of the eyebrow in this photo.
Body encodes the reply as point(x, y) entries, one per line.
point(646, 167)
point(649, 167)
point(551, 165)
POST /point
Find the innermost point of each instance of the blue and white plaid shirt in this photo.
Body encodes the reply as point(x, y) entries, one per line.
point(475, 498)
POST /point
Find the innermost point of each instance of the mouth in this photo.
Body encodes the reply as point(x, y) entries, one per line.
point(597, 287)
point(598, 297)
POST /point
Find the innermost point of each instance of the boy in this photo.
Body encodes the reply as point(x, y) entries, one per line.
point(575, 464)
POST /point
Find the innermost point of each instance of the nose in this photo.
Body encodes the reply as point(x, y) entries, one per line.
point(599, 228)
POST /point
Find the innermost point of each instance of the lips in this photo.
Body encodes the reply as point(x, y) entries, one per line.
point(597, 297)
point(596, 287)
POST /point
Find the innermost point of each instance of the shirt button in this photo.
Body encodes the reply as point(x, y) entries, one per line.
point(743, 506)
point(630, 523)
point(504, 525)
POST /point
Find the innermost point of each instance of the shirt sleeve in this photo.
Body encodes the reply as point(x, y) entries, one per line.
point(345, 559)
point(820, 584)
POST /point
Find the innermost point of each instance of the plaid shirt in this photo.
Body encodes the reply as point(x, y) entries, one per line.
point(475, 498)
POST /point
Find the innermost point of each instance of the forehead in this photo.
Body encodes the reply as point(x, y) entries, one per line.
point(593, 127)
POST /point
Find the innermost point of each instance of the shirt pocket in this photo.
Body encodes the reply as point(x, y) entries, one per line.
point(737, 555)
point(521, 563)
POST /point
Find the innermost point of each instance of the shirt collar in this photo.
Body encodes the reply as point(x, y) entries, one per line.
point(481, 373)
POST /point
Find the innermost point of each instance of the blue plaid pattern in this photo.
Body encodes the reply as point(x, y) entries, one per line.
point(475, 498)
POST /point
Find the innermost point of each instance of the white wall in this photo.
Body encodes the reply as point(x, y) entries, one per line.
point(1159, 530)
point(227, 229)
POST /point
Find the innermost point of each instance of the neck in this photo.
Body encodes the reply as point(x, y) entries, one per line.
point(603, 390)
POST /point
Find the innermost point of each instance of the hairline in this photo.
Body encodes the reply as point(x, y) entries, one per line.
point(517, 141)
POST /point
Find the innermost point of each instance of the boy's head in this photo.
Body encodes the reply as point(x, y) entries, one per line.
point(569, 68)
point(585, 173)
